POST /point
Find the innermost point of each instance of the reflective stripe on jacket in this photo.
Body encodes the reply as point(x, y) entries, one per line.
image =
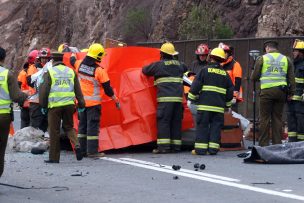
point(5, 99)
point(62, 88)
point(274, 70)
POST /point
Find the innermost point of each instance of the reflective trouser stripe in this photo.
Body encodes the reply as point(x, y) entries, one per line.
point(214, 145)
point(201, 145)
point(176, 142)
point(210, 108)
point(299, 80)
point(82, 138)
point(163, 141)
point(292, 134)
point(92, 144)
point(296, 97)
point(169, 99)
point(300, 136)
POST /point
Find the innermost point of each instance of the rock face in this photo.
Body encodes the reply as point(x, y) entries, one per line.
point(281, 18)
point(27, 25)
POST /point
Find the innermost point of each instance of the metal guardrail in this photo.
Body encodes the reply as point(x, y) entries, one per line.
point(242, 47)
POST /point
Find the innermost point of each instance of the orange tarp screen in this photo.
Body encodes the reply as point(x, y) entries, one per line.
point(135, 123)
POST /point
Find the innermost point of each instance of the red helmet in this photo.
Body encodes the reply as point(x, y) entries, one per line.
point(44, 53)
point(32, 56)
point(202, 49)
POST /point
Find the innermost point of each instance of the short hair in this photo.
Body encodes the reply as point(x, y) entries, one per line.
point(271, 43)
point(2, 54)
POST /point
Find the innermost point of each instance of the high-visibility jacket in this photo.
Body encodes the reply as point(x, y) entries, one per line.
point(274, 70)
point(24, 86)
point(34, 97)
point(299, 78)
point(22, 79)
point(168, 77)
point(212, 89)
point(91, 79)
point(5, 100)
point(62, 88)
point(234, 69)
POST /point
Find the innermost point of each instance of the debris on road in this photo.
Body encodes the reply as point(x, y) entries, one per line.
point(265, 183)
point(176, 167)
point(77, 174)
point(196, 165)
point(202, 166)
point(175, 177)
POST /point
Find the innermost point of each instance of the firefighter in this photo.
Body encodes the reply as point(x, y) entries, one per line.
point(234, 69)
point(168, 76)
point(37, 116)
point(201, 53)
point(213, 90)
point(93, 78)
point(276, 74)
point(57, 94)
point(23, 85)
point(9, 92)
point(296, 104)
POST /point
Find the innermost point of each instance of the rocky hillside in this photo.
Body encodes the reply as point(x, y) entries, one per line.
point(26, 25)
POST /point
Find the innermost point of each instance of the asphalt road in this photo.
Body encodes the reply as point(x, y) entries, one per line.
point(139, 176)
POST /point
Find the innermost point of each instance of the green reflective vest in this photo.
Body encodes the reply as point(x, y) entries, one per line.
point(62, 88)
point(5, 100)
point(274, 70)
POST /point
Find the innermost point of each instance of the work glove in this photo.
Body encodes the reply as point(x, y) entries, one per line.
point(228, 110)
point(189, 103)
point(80, 110)
point(233, 101)
point(117, 103)
point(44, 111)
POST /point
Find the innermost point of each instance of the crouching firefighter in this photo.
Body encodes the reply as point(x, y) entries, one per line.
point(57, 95)
point(212, 88)
point(9, 92)
point(168, 76)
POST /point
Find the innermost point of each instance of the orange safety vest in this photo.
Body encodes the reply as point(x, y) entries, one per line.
point(186, 88)
point(235, 72)
point(34, 97)
point(91, 85)
point(24, 86)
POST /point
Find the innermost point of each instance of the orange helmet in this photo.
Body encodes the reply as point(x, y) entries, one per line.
point(202, 49)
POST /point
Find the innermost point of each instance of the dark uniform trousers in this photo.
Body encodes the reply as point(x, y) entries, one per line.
point(295, 116)
point(272, 102)
point(38, 120)
point(55, 115)
point(208, 131)
point(169, 125)
point(88, 129)
point(5, 120)
point(25, 117)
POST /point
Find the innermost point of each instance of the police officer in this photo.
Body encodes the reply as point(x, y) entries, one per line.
point(57, 95)
point(296, 104)
point(168, 74)
point(93, 78)
point(9, 92)
point(213, 90)
point(276, 74)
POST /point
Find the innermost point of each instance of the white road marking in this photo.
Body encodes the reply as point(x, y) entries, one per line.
point(165, 169)
point(183, 170)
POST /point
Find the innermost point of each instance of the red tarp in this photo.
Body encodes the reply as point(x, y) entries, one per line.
point(135, 123)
